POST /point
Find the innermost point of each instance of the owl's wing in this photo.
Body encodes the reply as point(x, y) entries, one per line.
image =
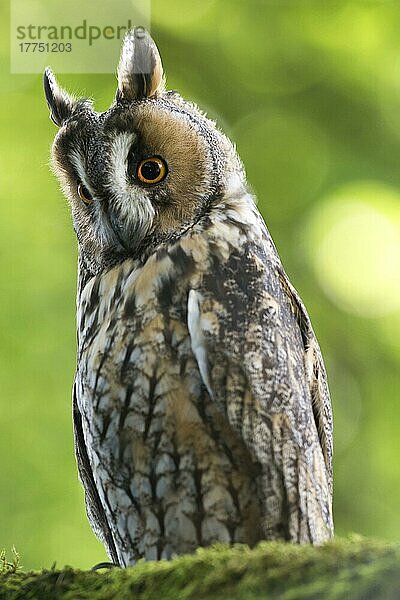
point(94, 507)
point(316, 373)
point(252, 341)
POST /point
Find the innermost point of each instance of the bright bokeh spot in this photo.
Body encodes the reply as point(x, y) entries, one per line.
point(354, 247)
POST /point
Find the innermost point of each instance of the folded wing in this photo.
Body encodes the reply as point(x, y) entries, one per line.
point(260, 362)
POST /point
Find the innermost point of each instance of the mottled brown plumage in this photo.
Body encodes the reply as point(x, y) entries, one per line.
point(201, 408)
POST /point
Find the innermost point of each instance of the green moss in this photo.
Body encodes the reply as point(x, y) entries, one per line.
point(354, 568)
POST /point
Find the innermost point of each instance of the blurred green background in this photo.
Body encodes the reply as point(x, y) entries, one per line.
point(310, 93)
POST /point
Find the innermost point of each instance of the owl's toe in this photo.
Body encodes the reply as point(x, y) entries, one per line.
point(105, 565)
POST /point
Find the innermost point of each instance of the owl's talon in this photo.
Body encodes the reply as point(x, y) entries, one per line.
point(105, 565)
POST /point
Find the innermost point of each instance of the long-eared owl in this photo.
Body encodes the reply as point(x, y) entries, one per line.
point(200, 404)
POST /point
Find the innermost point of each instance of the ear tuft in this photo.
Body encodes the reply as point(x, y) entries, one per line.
point(140, 70)
point(59, 101)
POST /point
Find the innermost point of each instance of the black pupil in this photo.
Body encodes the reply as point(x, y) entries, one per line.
point(85, 192)
point(150, 170)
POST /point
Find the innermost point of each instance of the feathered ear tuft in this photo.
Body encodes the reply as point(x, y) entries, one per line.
point(59, 101)
point(140, 70)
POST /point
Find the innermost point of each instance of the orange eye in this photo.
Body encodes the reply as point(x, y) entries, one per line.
point(151, 170)
point(84, 194)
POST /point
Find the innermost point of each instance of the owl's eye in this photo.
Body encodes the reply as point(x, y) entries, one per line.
point(151, 170)
point(84, 194)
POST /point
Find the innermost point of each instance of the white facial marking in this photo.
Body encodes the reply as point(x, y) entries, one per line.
point(120, 147)
point(131, 202)
point(79, 164)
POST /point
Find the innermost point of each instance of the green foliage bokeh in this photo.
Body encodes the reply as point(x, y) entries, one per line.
point(310, 93)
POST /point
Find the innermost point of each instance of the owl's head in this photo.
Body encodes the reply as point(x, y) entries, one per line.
point(143, 171)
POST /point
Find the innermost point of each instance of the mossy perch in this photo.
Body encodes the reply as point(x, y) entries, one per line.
point(355, 568)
